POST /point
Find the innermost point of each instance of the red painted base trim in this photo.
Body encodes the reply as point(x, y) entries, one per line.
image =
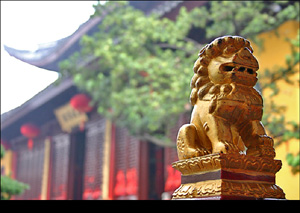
point(241, 176)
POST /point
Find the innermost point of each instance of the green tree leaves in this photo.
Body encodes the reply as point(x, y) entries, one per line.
point(294, 162)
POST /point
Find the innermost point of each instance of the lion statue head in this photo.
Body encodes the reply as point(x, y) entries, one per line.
point(225, 61)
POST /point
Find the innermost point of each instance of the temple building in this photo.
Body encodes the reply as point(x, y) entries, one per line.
point(84, 156)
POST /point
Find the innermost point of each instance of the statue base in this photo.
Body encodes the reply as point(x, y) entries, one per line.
point(228, 176)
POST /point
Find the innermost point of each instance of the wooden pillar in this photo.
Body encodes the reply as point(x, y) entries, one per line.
point(143, 171)
point(106, 160)
point(112, 163)
point(46, 170)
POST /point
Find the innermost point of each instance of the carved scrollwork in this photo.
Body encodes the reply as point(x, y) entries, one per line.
point(200, 189)
point(228, 188)
point(198, 164)
point(227, 161)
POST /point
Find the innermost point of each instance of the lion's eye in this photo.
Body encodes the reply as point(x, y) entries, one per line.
point(241, 69)
point(250, 71)
point(227, 68)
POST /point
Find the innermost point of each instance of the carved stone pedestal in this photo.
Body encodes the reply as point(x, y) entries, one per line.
point(228, 176)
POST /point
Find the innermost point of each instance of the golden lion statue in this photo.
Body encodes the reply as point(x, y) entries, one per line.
point(227, 109)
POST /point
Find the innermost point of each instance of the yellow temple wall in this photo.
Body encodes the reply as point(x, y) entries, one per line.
point(273, 55)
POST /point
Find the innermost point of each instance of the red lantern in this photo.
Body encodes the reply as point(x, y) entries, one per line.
point(30, 131)
point(80, 102)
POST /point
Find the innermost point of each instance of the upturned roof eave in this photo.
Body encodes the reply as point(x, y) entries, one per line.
point(56, 51)
point(49, 57)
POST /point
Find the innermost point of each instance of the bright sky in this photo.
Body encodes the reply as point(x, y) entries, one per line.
point(25, 24)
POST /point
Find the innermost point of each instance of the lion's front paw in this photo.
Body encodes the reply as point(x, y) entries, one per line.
point(220, 147)
point(202, 151)
point(225, 147)
point(194, 152)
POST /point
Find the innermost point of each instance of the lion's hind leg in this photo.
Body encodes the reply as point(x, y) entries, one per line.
point(188, 143)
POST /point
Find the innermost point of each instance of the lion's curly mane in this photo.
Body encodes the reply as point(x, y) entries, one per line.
point(200, 82)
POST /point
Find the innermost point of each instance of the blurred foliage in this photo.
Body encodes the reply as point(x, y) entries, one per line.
point(249, 18)
point(294, 162)
point(9, 186)
point(137, 68)
point(2, 151)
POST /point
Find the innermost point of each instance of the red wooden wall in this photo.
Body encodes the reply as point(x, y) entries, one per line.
point(127, 172)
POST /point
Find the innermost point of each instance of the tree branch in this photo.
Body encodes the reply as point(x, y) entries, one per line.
point(166, 45)
point(193, 41)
